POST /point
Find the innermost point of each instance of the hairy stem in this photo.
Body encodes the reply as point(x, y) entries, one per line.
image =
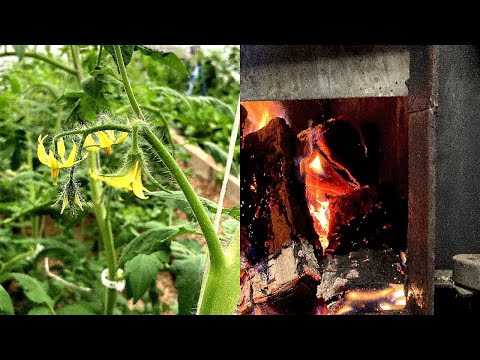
point(44, 59)
point(105, 232)
point(217, 258)
point(89, 130)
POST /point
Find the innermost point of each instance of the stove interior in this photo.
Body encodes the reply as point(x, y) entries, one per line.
point(324, 206)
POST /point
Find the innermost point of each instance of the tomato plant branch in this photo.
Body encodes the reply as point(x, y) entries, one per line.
point(217, 258)
point(44, 59)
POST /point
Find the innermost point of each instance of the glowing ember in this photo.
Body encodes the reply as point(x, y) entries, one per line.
point(260, 113)
point(316, 165)
point(391, 298)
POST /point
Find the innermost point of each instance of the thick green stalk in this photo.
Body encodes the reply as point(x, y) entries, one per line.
point(222, 288)
point(105, 232)
point(126, 82)
point(217, 257)
point(45, 59)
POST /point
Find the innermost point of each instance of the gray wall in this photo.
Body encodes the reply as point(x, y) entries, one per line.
point(458, 153)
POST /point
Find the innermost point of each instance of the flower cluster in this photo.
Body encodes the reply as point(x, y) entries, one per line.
point(128, 178)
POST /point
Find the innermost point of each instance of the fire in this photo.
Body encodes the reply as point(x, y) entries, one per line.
point(316, 165)
point(391, 298)
point(260, 113)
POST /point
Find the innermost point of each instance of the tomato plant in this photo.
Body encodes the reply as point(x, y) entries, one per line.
point(91, 187)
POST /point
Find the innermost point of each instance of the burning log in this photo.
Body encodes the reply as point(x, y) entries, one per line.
point(273, 206)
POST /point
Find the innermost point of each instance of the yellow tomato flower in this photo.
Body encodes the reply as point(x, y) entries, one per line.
point(51, 161)
point(105, 141)
point(131, 181)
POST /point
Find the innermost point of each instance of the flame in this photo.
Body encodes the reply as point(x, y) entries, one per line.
point(316, 165)
point(260, 113)
point(390, 298)
point(318, 205)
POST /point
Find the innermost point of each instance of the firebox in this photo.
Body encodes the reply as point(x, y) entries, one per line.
point(337, 188)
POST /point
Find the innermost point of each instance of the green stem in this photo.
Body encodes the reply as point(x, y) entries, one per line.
point(126, 82)
point(97, 203)
point(217, 257)
point(76, 62)
point(92, 129)
point(222, 284)
point(105, 231)
point(44, 59)
point(99, 58)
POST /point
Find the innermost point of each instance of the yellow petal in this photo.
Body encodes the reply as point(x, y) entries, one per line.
point(104, 139)
point(71, 158)
point(90, 144)
point(64, 204)
point(119, 182)
point(61, 148)
point(110, 134)
point(122, 138)
point(53, 162)
point(137, 185)
point(41, 153)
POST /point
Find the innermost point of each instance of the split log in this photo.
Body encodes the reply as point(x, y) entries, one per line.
point(278, 285)
point(273, 206)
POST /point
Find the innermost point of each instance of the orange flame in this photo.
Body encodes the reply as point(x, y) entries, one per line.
point(317, 204)
point(391, 298)
point(260, 113)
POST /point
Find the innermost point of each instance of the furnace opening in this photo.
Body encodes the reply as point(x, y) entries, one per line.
point(324, 206)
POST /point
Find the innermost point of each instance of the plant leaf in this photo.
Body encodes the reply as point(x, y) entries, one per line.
point(40, 310)
point(33, 289)
point(177, 200)
point(165, 58)
point(75, 309)
point(127, 52)
point(151, 241)
point(141, 272)
point(6, 306)
point(189, 275)
point(19, 50)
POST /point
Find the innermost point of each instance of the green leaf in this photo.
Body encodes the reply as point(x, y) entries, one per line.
point(6, 306)
point(165, 58)
point(189, 275)
point(33, 289)
point(40, 310)
point(92, 86)
point(127, 52)
point(151, 241)
point(75, 309)
point(19, 50)
point(141, 272)
point(177, 200)
point(184, 248)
